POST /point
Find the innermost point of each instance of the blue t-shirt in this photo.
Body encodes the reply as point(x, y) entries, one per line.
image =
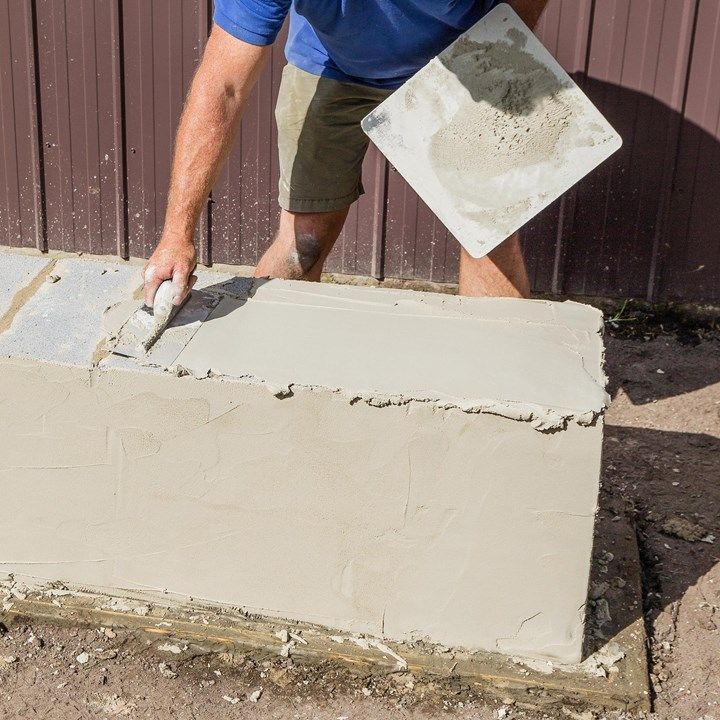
point(380, 43)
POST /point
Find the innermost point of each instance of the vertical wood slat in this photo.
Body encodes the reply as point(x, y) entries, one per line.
point(377, 261)
point(53, 49)
point(690, 261)
point(163, 42)
point(671, 90)
point(564, 29)
point(204, 230)
point(78, 47)
point(22, 221)
point(118, 149)
point(618, 206)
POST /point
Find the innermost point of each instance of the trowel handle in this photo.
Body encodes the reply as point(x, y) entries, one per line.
point(163, 303)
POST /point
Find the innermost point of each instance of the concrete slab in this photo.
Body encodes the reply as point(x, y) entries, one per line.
point(454, 503)
point(16, 273)
point(62, 321)
point(526, 359)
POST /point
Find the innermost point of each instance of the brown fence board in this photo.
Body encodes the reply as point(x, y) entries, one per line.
point(77, 59)
point(618, 206)
point(21, 210)
point(564, 28)
point(163, 41)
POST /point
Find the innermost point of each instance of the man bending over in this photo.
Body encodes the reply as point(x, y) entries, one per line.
point(344, 58)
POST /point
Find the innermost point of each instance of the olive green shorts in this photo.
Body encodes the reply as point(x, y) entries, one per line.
point(320, 142)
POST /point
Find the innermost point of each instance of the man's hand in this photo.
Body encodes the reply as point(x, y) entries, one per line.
point(174, 260)
point(212, 112)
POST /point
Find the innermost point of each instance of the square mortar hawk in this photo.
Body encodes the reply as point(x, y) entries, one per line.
point(491, 131)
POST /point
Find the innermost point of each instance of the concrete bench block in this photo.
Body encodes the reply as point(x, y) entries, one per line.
point(400, 464)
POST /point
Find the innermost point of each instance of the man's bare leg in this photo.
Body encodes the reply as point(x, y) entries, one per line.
point(501, 273)
point(302, 243)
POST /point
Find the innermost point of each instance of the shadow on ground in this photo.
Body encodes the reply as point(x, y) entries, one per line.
point(661, 466)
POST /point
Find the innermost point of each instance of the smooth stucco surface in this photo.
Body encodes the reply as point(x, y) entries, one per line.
point(467, 530)
point(532, 359)
point(387, 506)
point(491, 131)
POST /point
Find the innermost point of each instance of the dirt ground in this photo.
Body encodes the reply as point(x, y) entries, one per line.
point(662, 456)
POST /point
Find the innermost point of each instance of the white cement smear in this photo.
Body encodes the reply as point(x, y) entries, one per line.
point(16, 271)
point(491, 131)
point(62, 321)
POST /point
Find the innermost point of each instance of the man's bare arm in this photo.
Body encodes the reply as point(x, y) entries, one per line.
point(528, 10)
point(213, 108)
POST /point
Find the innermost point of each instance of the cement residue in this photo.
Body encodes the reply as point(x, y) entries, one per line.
point(24, 294)
point(363, 340)
point(176, 620)
point(491, 131)
point(514, 115)
point(540, 418)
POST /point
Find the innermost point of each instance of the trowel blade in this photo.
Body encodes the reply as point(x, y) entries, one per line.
point(132, 334)
point(140, 325)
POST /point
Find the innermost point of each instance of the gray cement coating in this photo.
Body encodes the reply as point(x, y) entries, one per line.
point(402, 522)
point(16, 272)
point(62, 321)
point(425, 512)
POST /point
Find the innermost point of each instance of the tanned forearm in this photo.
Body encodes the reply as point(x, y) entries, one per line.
point(528, 10)
point(209, 122)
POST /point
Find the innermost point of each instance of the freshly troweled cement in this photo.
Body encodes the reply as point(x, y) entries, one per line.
point(411, 513)
point(536, 361)
point(491, 131)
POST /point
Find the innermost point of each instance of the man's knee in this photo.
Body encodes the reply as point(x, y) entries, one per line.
point(309, 250)
point(302, 243)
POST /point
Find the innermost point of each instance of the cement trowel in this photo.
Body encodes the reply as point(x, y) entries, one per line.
point(491, 131)
point(138, 336)
point(146, 324)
